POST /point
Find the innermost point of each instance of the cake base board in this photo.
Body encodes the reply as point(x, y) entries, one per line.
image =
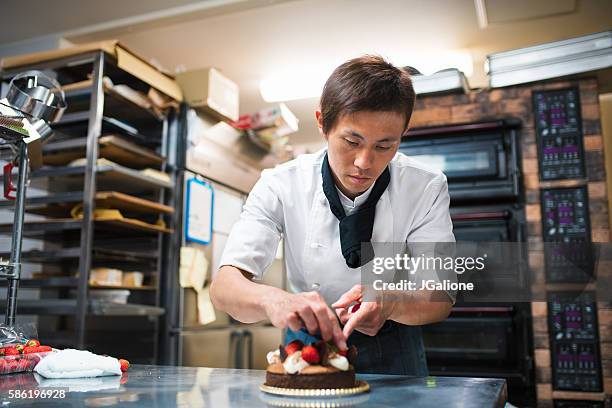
point(360, 387)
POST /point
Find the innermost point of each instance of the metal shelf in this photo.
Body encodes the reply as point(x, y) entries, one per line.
point(44, 307)
point(35, 229)
point(69, 282)
point(109, 177)
point(99, 254)
point(68, 306)
point(96, 112)
point(47, 229)
point(109, 125)
point(64, 197)
point(59, 205)
point(38, 256)
point(123, 256)
point(115, 309)
point(112, 147)
point(53, 282)
point(78, 99)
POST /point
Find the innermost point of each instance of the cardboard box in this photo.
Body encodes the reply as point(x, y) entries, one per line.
point(274, 123)
point(126, 60)
point(208, 90)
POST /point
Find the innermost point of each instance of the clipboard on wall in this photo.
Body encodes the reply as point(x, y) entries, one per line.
point(199, 212)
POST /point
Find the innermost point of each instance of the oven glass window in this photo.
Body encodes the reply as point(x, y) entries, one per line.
point(454, 162)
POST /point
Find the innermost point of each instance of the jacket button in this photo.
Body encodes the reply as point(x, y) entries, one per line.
point(324, 201)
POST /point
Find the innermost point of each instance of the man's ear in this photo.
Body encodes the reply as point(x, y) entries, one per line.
point(319, 117)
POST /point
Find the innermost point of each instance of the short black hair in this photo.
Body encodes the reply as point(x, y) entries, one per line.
point(366, 83)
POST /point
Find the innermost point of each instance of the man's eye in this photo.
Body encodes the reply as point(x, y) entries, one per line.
point(383, 147)
point(351, 143)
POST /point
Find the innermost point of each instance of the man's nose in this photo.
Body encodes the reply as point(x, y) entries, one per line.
point(363, 159)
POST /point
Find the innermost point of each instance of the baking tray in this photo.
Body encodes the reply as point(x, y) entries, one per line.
point(104, 199)
point(112, 147)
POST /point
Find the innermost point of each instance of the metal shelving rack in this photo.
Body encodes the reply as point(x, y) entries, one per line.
point(88, 241)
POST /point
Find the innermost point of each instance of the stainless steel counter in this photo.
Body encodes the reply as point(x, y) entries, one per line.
point(165, 386)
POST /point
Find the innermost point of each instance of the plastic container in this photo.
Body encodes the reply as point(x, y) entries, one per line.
point(133, 278)
point(21, 363)
point(109, 296)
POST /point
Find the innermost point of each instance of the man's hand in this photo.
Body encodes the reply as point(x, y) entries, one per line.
point(305, 310)
point(368, 318)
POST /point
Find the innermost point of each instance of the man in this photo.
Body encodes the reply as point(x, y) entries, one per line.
point(358, 189)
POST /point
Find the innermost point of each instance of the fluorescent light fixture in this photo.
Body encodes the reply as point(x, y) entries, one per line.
point(552, 60)
point(300, 83)
point(450, 80)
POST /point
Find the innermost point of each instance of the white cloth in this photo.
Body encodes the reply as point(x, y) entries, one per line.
point(289, 200)
point(72, 363)
point(80, 384)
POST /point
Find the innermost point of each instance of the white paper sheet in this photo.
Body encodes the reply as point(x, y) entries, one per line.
point(227, 210)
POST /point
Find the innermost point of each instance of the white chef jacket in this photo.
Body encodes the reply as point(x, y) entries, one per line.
point(288, 200)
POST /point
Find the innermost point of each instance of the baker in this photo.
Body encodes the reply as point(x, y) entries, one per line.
point(359, 189)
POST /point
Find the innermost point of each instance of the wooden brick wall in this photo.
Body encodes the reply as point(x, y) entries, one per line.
point(516, 102)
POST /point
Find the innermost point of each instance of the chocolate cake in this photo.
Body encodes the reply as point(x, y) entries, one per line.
point(317, 366)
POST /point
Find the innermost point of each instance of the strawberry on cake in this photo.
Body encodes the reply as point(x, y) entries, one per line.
point(316, 366)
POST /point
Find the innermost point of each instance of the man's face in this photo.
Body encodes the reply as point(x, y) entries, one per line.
point(360, 146)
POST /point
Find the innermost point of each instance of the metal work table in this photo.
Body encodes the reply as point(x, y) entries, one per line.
point(169, 386)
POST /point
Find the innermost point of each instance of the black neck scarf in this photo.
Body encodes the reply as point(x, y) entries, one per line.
point(356, 228)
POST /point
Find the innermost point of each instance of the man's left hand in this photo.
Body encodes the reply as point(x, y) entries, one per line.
point(368, 318)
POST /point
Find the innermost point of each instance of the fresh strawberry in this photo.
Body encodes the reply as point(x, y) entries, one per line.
point(30, 349)
point(34, 358)
point(294, 346)
point(43, 349)
point(11, 351)
point(23, 364)
point(19, 348)
point(343, 353)
point(33, 343)
point(355, 307)
point(12, 366)
point(1, 351)
point(310, 355)
point(124, 364)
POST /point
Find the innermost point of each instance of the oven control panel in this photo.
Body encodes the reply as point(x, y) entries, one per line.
point(567, 234)
point(574, 341)
point(559, 136)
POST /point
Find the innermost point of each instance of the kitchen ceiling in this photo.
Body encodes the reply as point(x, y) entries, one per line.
point(251, 40)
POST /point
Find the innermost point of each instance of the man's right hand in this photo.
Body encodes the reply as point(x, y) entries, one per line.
point(308, 309)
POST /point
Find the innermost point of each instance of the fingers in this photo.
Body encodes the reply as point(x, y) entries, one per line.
point(342, 314)
point(310, 310)
point(294, 322)
point(338, 336)
point(325, 323)
point(349, 297)
point(329, 326)
point(308, 317)
point(353, 321)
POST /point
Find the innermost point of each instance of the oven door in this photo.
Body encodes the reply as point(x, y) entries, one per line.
point(480, 161)
point(471, 337)
point(483, 226)
point(461, 160)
